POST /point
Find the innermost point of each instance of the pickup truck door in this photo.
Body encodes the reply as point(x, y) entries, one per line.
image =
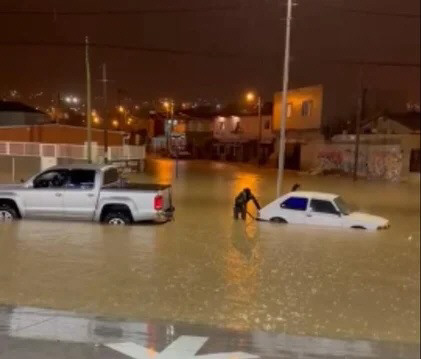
point(44, 197)
point(81, 194)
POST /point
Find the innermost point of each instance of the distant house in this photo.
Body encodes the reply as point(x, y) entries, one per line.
point(19, 114)
point(241, 135)
point(198, 126)
point(398, 123)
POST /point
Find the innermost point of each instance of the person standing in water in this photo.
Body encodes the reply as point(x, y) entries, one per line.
point(240, 204)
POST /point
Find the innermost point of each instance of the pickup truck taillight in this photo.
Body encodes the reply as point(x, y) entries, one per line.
point(158, 203)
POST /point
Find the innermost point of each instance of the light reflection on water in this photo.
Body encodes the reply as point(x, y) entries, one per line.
point(206, 268)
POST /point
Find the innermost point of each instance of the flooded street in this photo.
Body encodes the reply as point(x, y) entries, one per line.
point(206, 268)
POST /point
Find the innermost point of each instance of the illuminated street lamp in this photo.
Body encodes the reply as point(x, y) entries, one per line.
point(250, 96)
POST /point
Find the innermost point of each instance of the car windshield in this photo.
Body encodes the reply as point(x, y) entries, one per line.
point(343, 207)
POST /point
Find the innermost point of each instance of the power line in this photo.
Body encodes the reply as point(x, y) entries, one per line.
point(212, 54)
point(120, 47)
point(372, 13)
point(119, 12)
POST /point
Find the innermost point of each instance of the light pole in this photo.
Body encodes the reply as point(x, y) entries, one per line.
point(250, 98)
point(282, 140)
point(88, 100)
point(105, 113)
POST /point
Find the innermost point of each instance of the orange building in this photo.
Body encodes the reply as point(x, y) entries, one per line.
point(55, 133)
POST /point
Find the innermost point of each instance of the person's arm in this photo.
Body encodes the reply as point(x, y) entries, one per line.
point(256, 203)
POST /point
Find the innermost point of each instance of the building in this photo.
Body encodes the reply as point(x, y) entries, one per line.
point(405, 128)
point(303, 124)
point(55, 133)
point(397, 123)
point(18, 114)
point(243, 135)
point(198, 126)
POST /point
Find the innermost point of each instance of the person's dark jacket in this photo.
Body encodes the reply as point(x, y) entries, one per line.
point(244, 197)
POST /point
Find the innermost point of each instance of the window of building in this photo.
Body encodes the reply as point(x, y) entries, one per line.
point(321, 206)
point(81, 179)
point(289, 110)
point(267, 125)
point(306, 108)
point(295, 203)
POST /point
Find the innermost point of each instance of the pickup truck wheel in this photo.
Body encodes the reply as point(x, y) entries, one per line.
point(278, 220)
point(117, 219)
point(7, 213)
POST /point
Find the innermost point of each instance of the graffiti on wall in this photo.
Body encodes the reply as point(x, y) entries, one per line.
point(374, 162)
point(386, 164)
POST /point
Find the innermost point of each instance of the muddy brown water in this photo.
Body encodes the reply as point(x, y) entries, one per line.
point(205, 268)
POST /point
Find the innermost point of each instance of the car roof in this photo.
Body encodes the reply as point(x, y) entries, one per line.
point(316, 195)
point(82, 166)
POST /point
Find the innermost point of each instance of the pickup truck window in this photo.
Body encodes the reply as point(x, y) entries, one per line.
point(111, 176)
point(81, 179)
point(52, 179)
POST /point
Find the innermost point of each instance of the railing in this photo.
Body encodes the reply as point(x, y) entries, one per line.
point(78, 152)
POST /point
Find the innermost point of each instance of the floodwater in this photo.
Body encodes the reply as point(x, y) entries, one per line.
point(206, 268)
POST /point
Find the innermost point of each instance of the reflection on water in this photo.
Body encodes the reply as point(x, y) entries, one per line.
point(207, 268)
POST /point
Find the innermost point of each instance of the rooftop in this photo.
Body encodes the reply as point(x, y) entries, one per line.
point(317, 195)
point(12, 106)
point(83, 166)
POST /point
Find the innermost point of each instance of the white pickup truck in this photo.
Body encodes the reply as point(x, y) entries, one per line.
point(85, 192)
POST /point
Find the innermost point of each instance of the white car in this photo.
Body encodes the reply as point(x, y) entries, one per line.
point(321, 209)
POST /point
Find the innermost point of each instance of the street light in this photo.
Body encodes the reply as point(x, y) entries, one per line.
point(251, 97)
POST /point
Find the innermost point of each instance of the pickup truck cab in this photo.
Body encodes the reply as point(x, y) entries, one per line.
point(85, 192)
point(319, 209)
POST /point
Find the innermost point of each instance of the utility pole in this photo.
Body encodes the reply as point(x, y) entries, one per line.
point(259, 147)
point(282, 140)
point(88, 100)
point(105, 111)
point(360, 117)
point(58, 109)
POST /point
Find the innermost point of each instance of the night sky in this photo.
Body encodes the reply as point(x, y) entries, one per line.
point(247, 43)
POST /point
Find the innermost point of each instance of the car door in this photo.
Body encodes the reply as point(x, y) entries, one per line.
point(293, 209)
point(80, 195)
point(44, 197)
point(322, 212)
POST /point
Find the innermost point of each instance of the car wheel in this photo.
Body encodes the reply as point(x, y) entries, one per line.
point(359, 227)
point(117, 219)
point(278, 220)
point(7, 214)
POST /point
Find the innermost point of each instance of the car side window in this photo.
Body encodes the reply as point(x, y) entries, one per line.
point(295, 203)
point(52, 179)
point(322, 206)
point(111, 176)
point(81, 179)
